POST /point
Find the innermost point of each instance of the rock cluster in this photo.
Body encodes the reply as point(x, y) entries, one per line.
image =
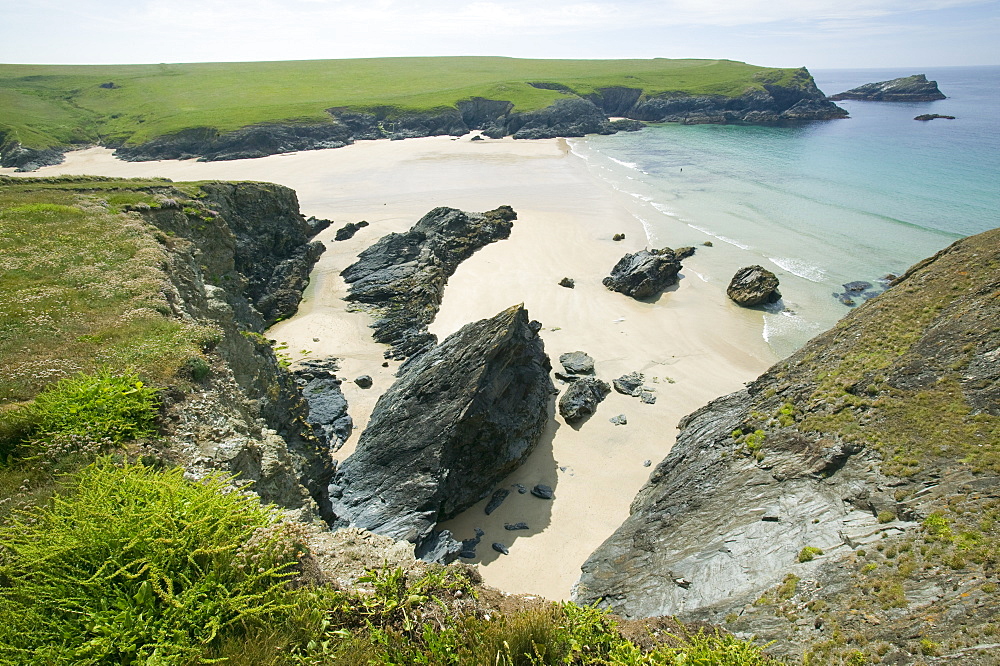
point(402, 276)
point(915, 88)
point(347, 231)
point(644, 274)
point(465, 415)
point(753, 285)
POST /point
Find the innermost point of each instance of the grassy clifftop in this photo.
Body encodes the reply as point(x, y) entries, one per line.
point(53, 105)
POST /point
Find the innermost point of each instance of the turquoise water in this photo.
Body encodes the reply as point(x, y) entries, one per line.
point(819, 204)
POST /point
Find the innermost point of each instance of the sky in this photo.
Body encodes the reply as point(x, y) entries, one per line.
point(819, 34)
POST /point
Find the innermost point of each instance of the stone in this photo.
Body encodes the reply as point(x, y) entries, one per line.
point(708, 244)
point(933, 116)
point(511, 527)
point(500, 548)
point(569, 283)
point(684, 252)
point(644, 274)
point(543, 491)
point(364, 381)
point(619, 420)
point(520, 488)
point(348, 230)
point(630, 384)
point(401, 278)
point(327, 415)
point(618, 237)
point(469, 545)
point(753, 285)
point(647, 397)
point(577, 363)
point(566, 378)
point(915, 88)
point(581, 398)
point(647, 463)
point(496, 500)
point(465, 415)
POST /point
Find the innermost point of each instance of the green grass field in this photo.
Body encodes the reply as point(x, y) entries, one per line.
point(52, 105)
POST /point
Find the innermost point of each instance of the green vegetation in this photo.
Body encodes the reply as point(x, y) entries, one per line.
point(83, 285)
point(809, 553)
point(51, 105)
point(131, 565)
point(85, 409)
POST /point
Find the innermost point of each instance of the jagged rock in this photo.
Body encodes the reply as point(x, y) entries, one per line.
point(442, 547)
point(731, 511)
point(569, 283)
point(543, 491)
point(511, 527)
point(577, 363)
point(566, 377)
point(469, 545)
point(327, 415)
point(915, 88)
point(364, 381)
point(933, 116)
point(644, 274)
point(581, 398)
point(753, 285)
point(647, 397)
point(619, 420)
point(500, 548)
point(684, 252)
point(630, 384)
point(465, 415)
point(348, 230)
point(496, 500)
point(402, 276)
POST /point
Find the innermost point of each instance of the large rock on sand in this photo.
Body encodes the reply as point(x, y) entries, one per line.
point(401, 278)
point(753, 285)
point(466, 414)
point(581, 398)
point(645, 273)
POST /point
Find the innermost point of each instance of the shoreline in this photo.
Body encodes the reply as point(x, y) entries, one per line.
point(692, 343)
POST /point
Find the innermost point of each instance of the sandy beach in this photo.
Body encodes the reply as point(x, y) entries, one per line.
point(692, 344)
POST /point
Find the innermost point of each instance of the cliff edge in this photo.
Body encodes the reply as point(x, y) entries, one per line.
point(847, 500)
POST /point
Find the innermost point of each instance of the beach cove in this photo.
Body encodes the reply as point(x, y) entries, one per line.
point(691, 344)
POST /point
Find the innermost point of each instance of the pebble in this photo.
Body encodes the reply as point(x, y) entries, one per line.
point(543, 491)
point(500, 548)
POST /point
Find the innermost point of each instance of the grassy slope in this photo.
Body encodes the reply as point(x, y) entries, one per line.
point(46, 105)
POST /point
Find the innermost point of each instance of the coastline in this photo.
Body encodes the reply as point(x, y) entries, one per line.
point(692, 340)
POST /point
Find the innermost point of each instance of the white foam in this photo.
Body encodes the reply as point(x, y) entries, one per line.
point(799, 268)
point(627, 165)
point(786, 323)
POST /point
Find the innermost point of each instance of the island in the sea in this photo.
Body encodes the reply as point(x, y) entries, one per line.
point(915, 88)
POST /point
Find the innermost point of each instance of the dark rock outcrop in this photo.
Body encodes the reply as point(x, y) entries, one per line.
point(823, 500)
point(644, 274)
point(581, 398)
point(13, 154)
point(933, 116)
point(401, 278)
point(577, 363)
point(915, 88)
point(348, 230)
point(753, 285)
point(465, 414)
point(327, 413)
point(630, 384)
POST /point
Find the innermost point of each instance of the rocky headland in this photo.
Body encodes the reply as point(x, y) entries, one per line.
point(401, 278)
point(844, 503)
point(915, 88)
point(576, 115)
point(464, 415)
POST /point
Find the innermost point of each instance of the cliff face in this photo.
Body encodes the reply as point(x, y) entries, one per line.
point(846, 500)
point(575, 115)
point(236, 254)
point(915, 88)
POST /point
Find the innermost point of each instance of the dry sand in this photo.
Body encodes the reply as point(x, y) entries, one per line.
point(692, 344)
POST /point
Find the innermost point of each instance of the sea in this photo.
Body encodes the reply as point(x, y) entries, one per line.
point(820, 204)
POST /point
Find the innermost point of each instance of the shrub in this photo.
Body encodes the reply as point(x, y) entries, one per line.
point(809, 553)
point(134, 566)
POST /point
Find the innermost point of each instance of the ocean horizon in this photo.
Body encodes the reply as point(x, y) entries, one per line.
point(820, 204)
